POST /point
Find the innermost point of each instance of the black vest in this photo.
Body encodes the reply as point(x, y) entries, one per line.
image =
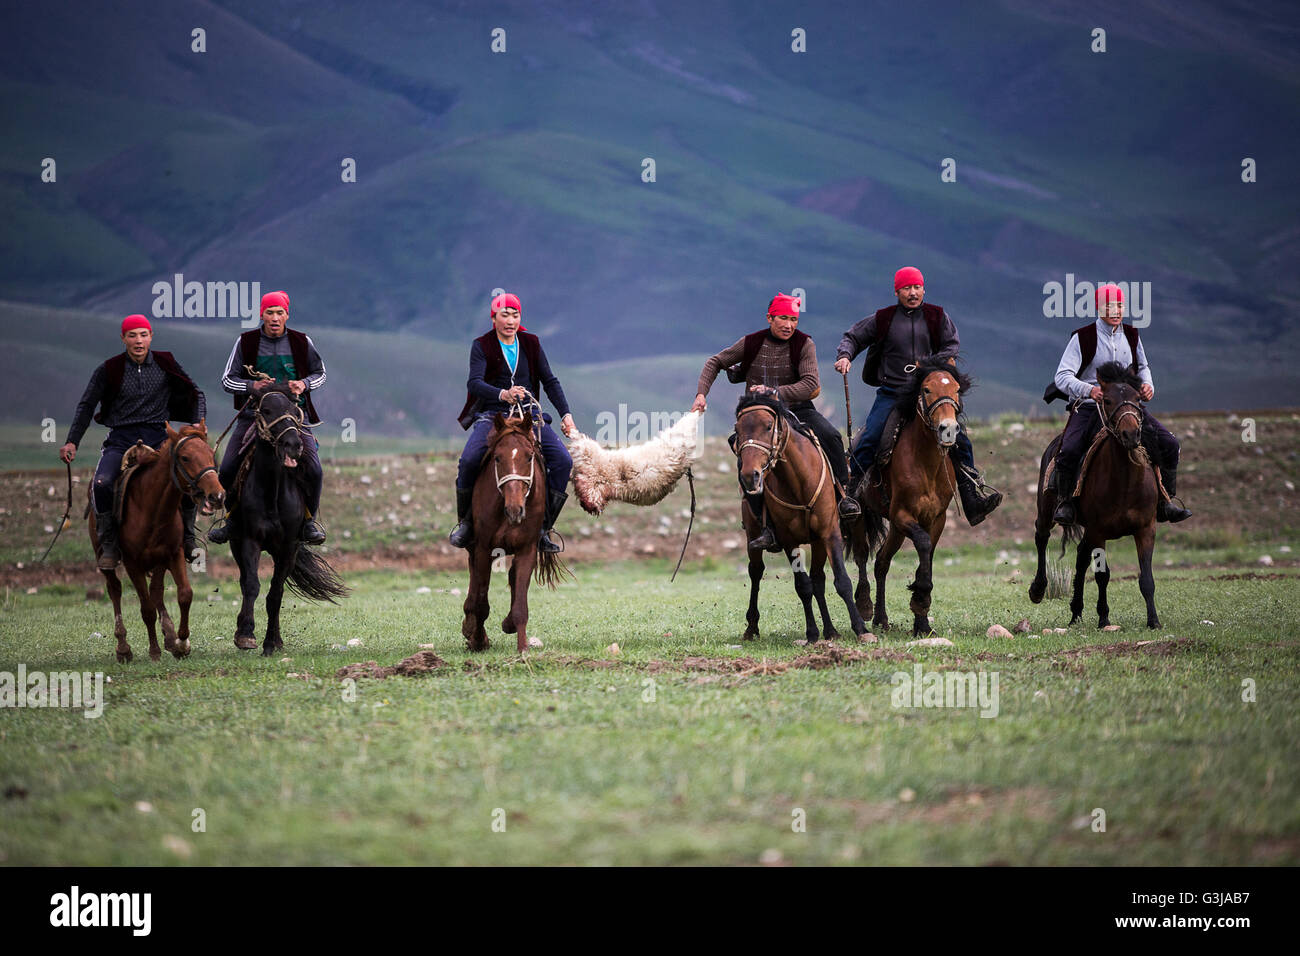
point(884, 319)
point(182, 403)
point(496, 364)
point(248, 345)
point(1088, 351)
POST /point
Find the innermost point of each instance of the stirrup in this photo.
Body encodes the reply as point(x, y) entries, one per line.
point(546, 544)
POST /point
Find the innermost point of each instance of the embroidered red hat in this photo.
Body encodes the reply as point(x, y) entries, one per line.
point(1109, 293)
point(782, 304)
point(136, 321)
point(280, 298)
point(506, 300)
point(908, 275)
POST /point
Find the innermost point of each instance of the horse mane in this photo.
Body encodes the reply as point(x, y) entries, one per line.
point(1118, 373)
point(771, 402)
point(907, 398)
point(512, 426)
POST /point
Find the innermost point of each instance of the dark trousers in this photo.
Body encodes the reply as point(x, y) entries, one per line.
point(1084, 424)
point(308, 464)
point(558, 462)
point(868, 441)
point(115, 445)
point(828, 435)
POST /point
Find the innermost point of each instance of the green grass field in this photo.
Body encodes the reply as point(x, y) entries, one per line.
point(668, 752)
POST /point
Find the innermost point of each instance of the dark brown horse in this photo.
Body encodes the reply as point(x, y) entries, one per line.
point(150, 534)
point(914, 490)
point(779, 462)
point(1118, 498)
point(508, 520)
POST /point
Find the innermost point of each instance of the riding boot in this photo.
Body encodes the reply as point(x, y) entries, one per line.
point(311, 532)
point(106, 530)
point(849, 507)
point(977, 506)
point(1065, 479)
point(554, 504)
point(1167, 510)
point(766, 540)
point(464, 532)
point(220, 533)
point(189, 545)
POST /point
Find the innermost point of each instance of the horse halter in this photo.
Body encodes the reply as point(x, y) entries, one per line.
point(515, 475)
point(1112, 425)
point(294, 415)
point(927, 411)
point(775, 447)
point(178, 475)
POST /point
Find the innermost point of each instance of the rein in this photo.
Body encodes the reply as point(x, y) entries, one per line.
point(64, 522)
point(178, 474)
point(776, 449)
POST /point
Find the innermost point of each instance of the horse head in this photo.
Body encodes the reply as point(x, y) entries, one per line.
point(1121, 403)
point(513, 452)
point(278, 420)
point(194, 467)
point(758, 434)
point(935, 397)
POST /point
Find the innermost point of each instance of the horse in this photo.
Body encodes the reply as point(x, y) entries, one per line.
point(270, 516)
point(1118, 498)
point(150, 534)
point(789, 470)
point(507, 520)
point(914, 490)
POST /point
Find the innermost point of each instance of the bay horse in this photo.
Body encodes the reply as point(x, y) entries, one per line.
point(150, 534)
point(269, 517)
point(913, 490)
point(790, 471)
point(507, 520)
point(1118, 498)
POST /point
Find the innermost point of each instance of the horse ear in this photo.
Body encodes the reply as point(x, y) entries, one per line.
point(203, 426)
point(499, 422)
point(172, 433)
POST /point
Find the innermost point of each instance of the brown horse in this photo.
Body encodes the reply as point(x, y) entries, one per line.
point(507, 520)
point(1118, 499)
point(914, 490)
point(150, 534)
point(789, 470)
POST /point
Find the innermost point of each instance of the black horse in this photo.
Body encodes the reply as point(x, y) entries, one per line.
point(269, 517)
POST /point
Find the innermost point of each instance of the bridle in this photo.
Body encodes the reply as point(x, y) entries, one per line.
point(515, 475)
point(179, 478)
point(927, 411)
point(775, 448)
point(293, 415)
point(1112, 424)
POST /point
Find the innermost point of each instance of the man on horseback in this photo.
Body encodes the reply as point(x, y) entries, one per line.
point(279, 354)
point(1106, 340)
point(780, 360)
point(137, 392)
point(896, 338)
point(505, 363)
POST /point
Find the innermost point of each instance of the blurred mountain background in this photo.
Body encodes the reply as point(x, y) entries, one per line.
point(774, 170)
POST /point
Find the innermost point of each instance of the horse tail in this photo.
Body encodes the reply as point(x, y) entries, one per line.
point(312, 577)
point(550, 570)
point(866, 540)
point(1073, 534)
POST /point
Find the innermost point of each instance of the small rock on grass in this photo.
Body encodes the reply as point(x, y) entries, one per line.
point(930, 642)
point(613, 650)
point(997, 630)
point(1111, 627)
point(868, 638)
point(354, 642)
point(535, 642)
point(1022, 626)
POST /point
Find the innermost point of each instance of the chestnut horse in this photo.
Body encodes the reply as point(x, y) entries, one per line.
point(789, 470)
point(269, 517)
point(914, 490)
point(1118, 498)
point(150, 534)
point(508, 520)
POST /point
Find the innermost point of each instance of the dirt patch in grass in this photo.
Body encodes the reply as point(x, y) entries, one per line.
point(965, 806)
point(1123, 648)
point(424, 662)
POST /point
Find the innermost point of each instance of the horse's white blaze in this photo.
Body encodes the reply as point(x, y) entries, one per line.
point(943, 381)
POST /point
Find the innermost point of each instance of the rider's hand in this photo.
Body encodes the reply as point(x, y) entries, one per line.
point(1147, 392)
point(260, 386)
point(567, 426)
point(842, 365)
point(68, 452)
point(699, 404)
point(762, 389)
point(515, 394)
point(1095, 394)
point(297, 386)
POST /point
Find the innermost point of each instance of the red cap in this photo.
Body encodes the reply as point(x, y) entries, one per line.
point(280, 298)
point(908, 275)
point(136, 321)
point(506, 300)
point(782, 304)
point(1109, 293)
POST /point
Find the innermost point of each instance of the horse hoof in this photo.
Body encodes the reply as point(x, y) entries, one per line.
point(831, 635)
point(124, 657)
point(749, 636)
point(1036, 592)
point(508, 625)
point(268, 651)
point(181, 650)
point(155, 656)
point(246, 643)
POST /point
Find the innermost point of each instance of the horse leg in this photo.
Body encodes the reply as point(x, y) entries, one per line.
point(476, 603)
point(803, 587)
point(755, 575)
point(844, 584)
point(521, 570)
point(147, 611)
point(184, 597)
point(819, 588)
point(508, 624)
point(275, 597)
point(1146, 545)
point(1081, 559)
point(246, 552)
point(923, 583)
point(893, 541)
point(1102, 577)
point(114, 586)
point(157, 582)
point(1042, 534)
point(862, 596)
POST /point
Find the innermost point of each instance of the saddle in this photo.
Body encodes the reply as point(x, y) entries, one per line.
point(136, 456)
